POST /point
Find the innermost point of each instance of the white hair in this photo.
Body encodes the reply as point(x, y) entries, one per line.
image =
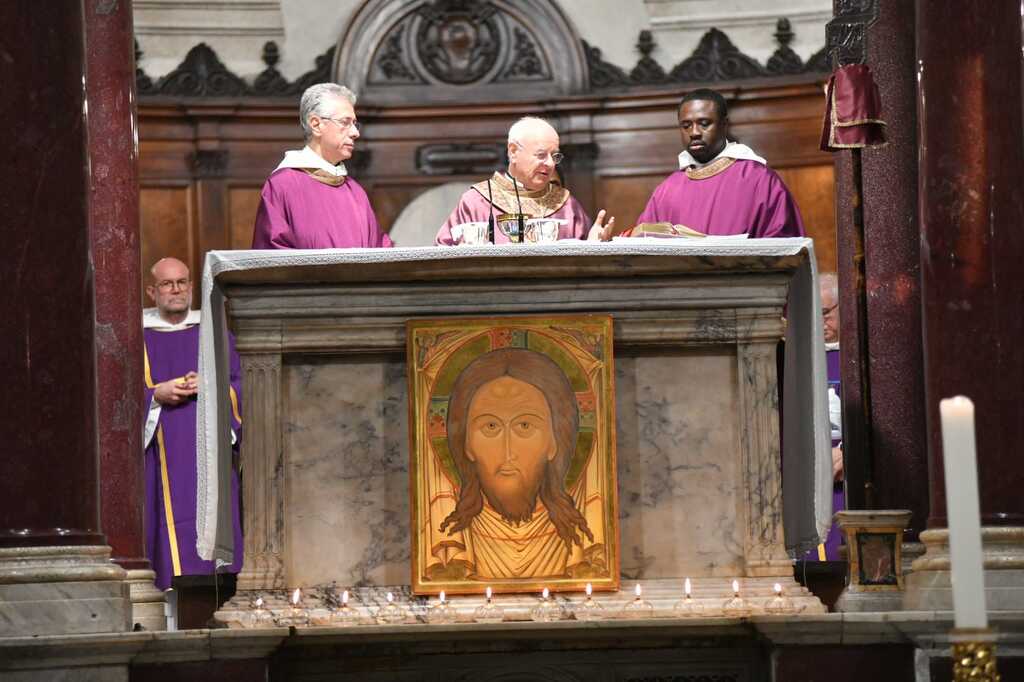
point(524, 126)
point(312, 102)
point(829, 281)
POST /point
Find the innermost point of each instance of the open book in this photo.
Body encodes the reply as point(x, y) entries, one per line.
point(667, 230)
point(670, 231)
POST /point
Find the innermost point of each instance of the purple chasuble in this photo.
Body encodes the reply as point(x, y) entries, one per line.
point(171, 460)
point(746, 197)
point(474, 207)
point(299, 212)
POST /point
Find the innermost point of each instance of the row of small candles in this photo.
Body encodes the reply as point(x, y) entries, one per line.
point(547, 609)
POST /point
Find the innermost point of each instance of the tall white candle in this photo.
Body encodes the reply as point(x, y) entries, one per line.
point(963, 512)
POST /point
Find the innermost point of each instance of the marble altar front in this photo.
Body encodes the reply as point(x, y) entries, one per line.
point(325, 450)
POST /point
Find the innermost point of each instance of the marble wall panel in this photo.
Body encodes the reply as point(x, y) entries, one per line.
point(678, 463)
point(346, 468)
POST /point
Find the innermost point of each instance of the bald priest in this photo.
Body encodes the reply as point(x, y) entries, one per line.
point(529, 187)
point(722, 187)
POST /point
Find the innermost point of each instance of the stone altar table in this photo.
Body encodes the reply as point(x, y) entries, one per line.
point(325, 448)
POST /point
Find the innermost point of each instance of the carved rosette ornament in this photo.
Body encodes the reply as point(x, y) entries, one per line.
point(458, 41)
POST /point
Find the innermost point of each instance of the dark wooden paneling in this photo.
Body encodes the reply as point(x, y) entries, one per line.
point(165, 229)
point(242, 204)
point(812, 187)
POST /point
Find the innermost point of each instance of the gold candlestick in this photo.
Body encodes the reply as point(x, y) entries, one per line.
point(974, 656)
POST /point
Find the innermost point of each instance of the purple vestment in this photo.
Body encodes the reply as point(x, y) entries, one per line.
point(473, 207)
point(298, 211)
point(171, 460)
point(746, 197)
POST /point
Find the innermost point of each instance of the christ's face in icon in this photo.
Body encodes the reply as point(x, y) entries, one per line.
point(510, 440)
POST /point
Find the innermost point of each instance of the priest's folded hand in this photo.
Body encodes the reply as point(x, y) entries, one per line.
point(173, 392)
point(600, 231)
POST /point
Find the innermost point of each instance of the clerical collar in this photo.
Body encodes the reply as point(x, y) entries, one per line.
point(151, 320)
point(732, 150)
point(831, 345)
point(538, 203)
point(307, 159)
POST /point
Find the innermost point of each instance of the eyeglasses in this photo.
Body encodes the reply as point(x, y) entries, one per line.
point(343, 123)
point(542, 155)
point(826, 311)
point(170, 284)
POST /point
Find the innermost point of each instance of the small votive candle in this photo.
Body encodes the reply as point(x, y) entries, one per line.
point(391, 613)
point(687, 607)
point(489, 612)
point(442, 612)
point(588, 608)
point(345, 615)
point(638, 608)
point(547, 609)
point(736, 606)
point(779, 604)
point(295, 614)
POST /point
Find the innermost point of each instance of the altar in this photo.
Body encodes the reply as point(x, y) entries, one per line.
point(696, 327)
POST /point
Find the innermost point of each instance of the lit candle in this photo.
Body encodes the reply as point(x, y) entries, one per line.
point(686, 587)
point(488, 594)
point(590, 589)
point(442, 596)
point(735, 588)
point(546, 593)
point(259, 602)
point(391, 597)
point(296, 595)
point(778, 590)
point(638, 591)
point(344, 598)
point(963, 512)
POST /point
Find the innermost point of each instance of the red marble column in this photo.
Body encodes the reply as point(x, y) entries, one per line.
point(114, 232)
point(971, 192)
point(48, 471)
point(899, 471)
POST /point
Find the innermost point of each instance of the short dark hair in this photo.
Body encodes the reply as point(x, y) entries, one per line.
point(707, 95)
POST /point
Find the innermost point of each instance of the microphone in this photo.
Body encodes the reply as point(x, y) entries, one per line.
point(519, 212)
point(490, 218)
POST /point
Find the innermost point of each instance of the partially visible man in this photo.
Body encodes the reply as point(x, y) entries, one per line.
point(721, 187)
point(828, 283)
point(309, 202)
point(530, 186)
point(171, 353)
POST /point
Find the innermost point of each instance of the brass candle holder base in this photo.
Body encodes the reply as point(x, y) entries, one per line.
point(974, 656)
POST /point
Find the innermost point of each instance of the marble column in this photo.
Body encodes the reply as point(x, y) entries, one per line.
point(55, 571)
point(114, 236)
point(899, 468)
point(971, 210)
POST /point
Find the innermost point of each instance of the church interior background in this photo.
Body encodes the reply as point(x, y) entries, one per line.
point(190, 105)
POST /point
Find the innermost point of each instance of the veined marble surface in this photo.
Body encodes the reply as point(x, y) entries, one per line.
point(347, 481)
point(347, 451)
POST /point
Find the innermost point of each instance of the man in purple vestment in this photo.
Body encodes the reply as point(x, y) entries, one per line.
point(528, 187)
point(721, 187)
point(171, 352)
point(309, 202)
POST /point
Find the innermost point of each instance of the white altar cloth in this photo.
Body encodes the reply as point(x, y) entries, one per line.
point(807, 459)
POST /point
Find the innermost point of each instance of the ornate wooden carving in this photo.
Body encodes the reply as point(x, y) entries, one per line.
point(201, 74)
point(716, 59)
point(784, 60)
point(602, 74)
point(460, 159)
point(647, 70)
point(143, 83)
point(458, 41)
point(846, 34)
point(270, 81)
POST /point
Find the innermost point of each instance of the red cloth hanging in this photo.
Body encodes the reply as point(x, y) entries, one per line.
point(853, 113)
